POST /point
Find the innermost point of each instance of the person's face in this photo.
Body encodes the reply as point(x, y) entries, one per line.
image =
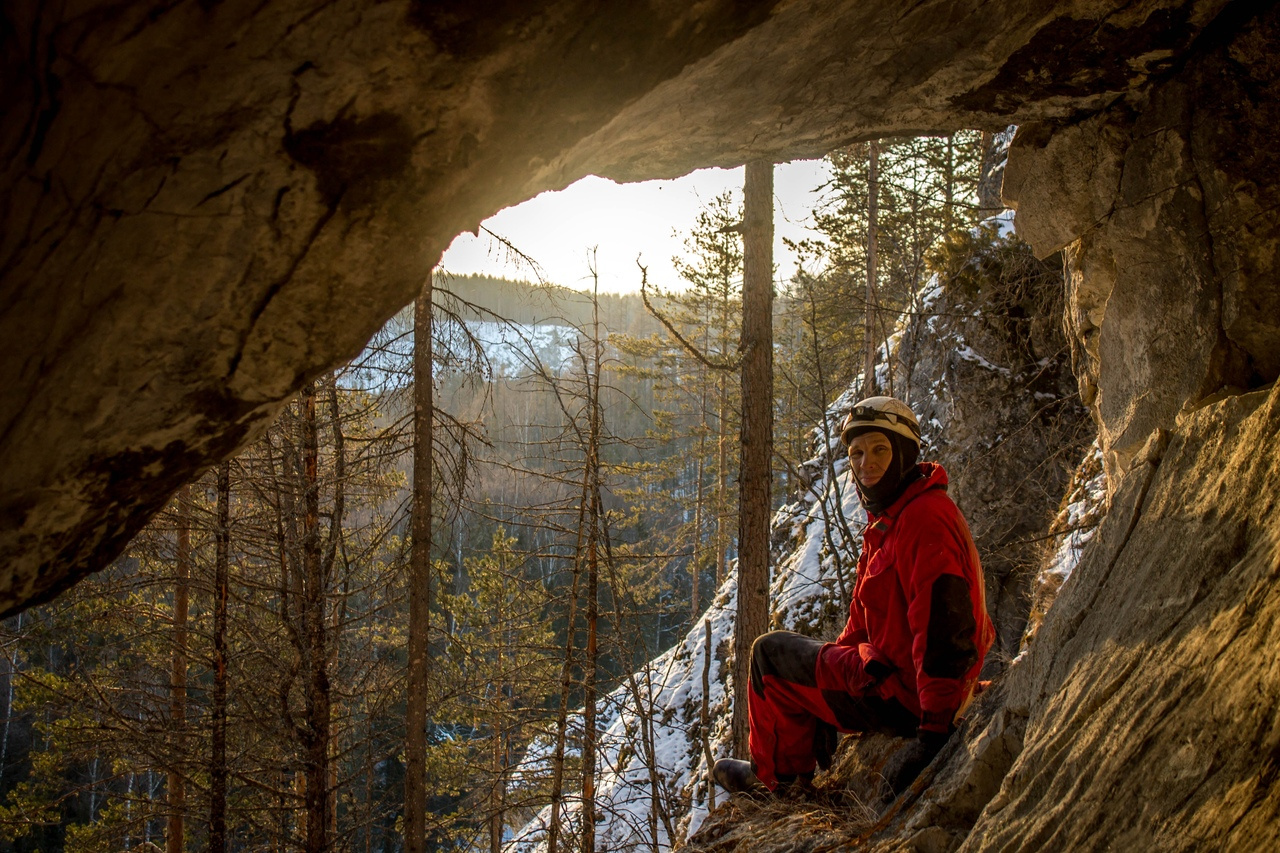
point(870, 455)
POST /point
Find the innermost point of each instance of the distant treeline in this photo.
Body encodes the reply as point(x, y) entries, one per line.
point(482, 297)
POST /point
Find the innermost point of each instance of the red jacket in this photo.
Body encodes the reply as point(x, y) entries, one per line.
point(919, 602)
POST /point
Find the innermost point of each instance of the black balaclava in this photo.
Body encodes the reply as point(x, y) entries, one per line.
point(876, 499)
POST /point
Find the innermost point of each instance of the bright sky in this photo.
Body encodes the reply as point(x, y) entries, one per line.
point(624, 221)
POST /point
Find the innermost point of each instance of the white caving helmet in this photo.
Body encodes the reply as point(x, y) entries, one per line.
point(886, 413)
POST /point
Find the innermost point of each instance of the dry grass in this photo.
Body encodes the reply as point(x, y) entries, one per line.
point(837, 814)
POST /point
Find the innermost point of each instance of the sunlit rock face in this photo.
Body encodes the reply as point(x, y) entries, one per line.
point(1163, 679)
point(206, 204)
point(1169, 213)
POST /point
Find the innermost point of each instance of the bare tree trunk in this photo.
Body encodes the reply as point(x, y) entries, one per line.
point(869, 365)
point(316, 728)
point(419, 675)
point(498, 795)
point(11, 670)
point(722, 483)
point(757, 435)
point(328, 562)
point(695, 559)
point(176, 783)
point(704, 715)
point(593, 585)
point(290, 596)
point(827, 512)
point(699, 513)
point(566, 676)
point(950, 177)
point(218, 712)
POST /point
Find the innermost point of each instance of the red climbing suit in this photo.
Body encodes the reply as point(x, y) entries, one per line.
point(918, 608)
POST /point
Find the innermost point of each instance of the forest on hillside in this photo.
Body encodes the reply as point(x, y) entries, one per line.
point(237, 679)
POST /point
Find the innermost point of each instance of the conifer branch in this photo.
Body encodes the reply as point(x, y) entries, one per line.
point(713, 364)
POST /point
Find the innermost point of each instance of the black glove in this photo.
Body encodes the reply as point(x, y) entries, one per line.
point(905, 765)
point(878, 670)
point(875, 666)
point(825, 740)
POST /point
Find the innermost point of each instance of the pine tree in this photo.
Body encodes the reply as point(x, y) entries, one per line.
point(755, 501)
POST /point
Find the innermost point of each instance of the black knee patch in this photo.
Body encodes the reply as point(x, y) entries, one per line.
point(786, 655)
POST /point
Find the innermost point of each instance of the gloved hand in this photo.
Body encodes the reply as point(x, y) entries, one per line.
point(874, 664)
point(905, 765)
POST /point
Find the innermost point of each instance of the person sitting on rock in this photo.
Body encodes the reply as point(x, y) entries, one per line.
point(908, 659)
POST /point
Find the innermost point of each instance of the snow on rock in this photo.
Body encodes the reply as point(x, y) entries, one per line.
point(1003, 222)
point(968, 353)
point(1072, 529)
point(1079, 519)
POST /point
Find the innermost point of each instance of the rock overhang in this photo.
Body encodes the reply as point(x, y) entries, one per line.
point(210, 204)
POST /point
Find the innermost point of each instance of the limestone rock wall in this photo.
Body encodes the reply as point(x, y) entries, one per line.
point(204, 204)
point(1165, 681)
point(1166, 207)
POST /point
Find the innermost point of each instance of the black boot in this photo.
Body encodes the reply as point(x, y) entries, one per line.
point(737, 777)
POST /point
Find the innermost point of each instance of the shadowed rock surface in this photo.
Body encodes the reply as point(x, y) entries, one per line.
point(993, 387)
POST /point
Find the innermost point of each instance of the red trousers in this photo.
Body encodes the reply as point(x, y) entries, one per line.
point(802, 692)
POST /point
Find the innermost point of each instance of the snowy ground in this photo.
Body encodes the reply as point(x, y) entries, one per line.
point(805, 582)
point(507, 346)
point(1072, 529)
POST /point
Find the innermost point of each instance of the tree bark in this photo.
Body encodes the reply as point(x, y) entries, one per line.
point(316, 728)
point(695, 558)
point(329, 560)
point(498, 794)
point(869, 365)
point(593, 586)
point(419, 674)
point(176, 783)
point(566, 676)
point(949, 177)
point(722, 482)
point(704, 715)
point(757, 435)
point(218, 711)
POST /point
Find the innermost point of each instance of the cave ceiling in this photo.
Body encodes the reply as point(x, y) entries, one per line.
point(206, 204)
